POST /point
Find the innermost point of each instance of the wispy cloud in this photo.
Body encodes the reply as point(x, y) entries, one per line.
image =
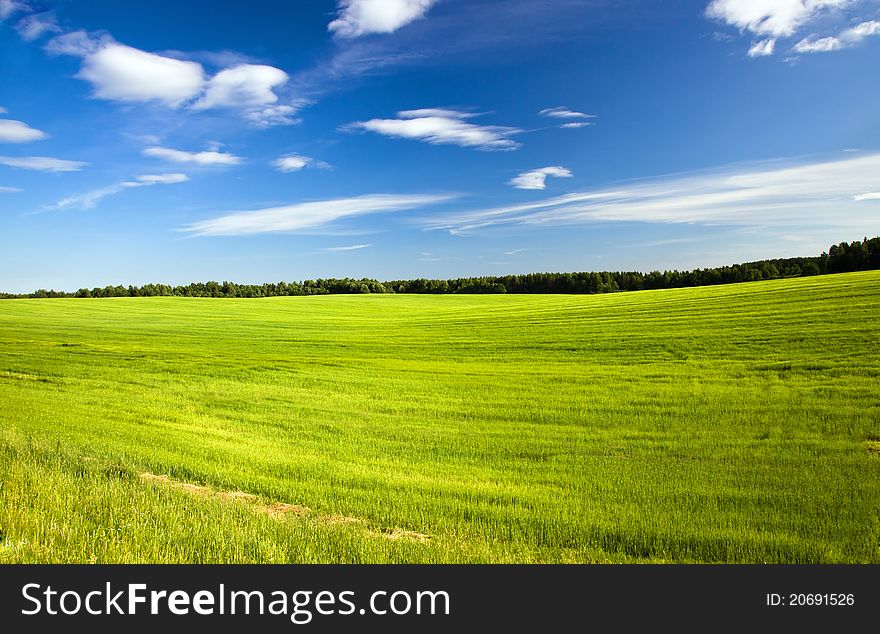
point(296, 162)
point(846, 39)
point(10, 190)
point(353, 247)
point(762, 48)
point(42, 163)
point(537, 179)
point(821, 45)
point(309, 215)
point(10, 7)
point(78, 43)
point(91, 199)
point(867, 196)
point(561, 112)
point(12, 131)
point(442, 126)
point(282, 114)
point(161, 179)
point(363, 17)
point(804, 194)
point(205, 158)
point(575, 124)
point(33, 27)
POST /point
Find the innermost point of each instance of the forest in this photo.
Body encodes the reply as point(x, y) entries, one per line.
point(845, 257)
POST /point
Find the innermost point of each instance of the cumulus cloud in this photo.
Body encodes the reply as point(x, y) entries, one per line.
point(353, 247)
point(442, 127)
point(762, 48)
point(9, 190)
point(12, 131)
point(818, 194)
point(89, 200)
point(774, 18)
point(296, 162)
point(849, 37)
point(242, 86)
point(207, 157)
point(309, 215)
point(536, 179)
point(561, 112)
point(122, 73)
point(42, 163)
point(362, 17)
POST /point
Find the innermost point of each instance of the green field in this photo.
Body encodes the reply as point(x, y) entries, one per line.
point(732, 423)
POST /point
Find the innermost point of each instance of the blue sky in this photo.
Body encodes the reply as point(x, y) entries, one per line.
point(176, 142)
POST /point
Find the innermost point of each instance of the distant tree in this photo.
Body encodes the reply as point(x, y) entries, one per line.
point(811, 268)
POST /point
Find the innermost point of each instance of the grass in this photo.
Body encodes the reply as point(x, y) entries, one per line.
point(721, 424)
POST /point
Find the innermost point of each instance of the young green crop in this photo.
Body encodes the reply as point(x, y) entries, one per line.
point(718, 424)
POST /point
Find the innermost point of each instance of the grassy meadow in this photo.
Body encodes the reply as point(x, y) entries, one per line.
point(734, 423)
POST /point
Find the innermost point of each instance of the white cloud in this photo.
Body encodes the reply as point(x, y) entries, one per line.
point(76, 43)
point(34, 27)
point(442, 127)
point(536, 179)
point(208, 157)
point(3, 110)
point(861, 31)
point(447, 113)
point(822, 45)
point(10, 190)
point(123, 73)
point(162, 179)
point(42, 163)
point(868, 196)
point(775, 18)
point(354, 247)
point(9, 7)
point(12, 131)
point(89, 200)
point(849, 37)
point(272, 116)
point(296, 162)
point(575, 124)
point(309, 215)
point(361, 17)
point(801, 195)
point(762, 48)
point(561, 112)
point(242, 86)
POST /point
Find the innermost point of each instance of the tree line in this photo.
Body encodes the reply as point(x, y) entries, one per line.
point(840, 258)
